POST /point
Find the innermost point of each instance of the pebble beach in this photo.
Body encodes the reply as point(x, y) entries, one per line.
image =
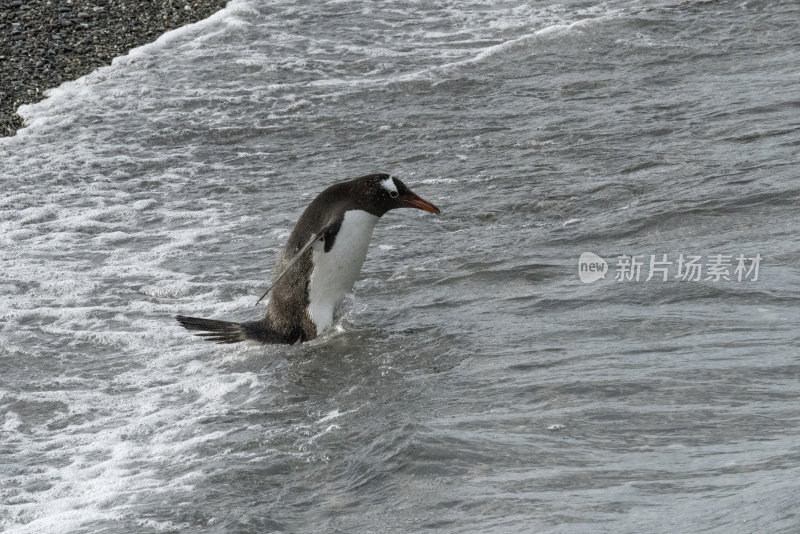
point(46, 42)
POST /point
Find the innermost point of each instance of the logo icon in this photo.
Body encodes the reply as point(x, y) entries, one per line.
point(591, 267)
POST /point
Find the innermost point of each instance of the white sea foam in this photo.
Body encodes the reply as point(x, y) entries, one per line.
point(168, 183)
point(47, 114)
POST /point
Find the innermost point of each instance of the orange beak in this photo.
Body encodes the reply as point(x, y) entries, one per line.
point(415, 201)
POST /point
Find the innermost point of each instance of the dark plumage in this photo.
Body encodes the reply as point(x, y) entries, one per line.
point(311, 275)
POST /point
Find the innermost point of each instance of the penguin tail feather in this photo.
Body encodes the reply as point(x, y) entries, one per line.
point(228, 332)
point(213, 330)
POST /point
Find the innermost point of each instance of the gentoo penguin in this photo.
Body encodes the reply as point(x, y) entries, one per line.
point(320, 262)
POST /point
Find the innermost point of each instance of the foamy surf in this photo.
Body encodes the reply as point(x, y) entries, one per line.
point(167, 183)
point(52, 111)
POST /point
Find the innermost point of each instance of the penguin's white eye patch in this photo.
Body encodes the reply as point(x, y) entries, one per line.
point(390, 186)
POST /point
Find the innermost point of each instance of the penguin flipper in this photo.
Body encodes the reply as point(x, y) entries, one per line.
point(291, 262)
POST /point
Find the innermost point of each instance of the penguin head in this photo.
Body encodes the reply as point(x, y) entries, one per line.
point(379, 193)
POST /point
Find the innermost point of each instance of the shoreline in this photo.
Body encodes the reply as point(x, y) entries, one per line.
point(44, 43)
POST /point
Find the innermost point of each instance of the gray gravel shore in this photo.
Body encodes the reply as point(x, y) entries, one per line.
point(46, 42)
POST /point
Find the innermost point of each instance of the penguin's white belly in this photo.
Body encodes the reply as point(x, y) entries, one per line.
point(336, 271)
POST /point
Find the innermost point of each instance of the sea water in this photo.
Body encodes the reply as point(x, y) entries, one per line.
point(478, 379)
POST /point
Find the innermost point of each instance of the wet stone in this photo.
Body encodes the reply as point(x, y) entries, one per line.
point(88, 34)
